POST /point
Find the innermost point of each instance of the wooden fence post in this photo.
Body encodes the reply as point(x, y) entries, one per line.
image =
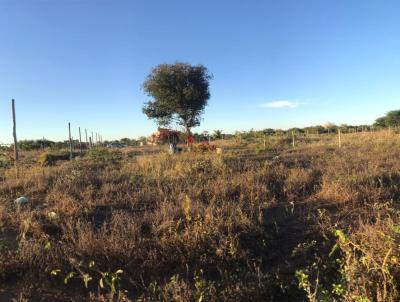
point(340, 138)
point(293, 141)
point(70, 141)
point(80, 140)
point(87, 142)
point(265, 142)
point(16, 153)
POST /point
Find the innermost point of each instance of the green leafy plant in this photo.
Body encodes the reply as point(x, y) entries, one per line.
point(204, 288)
point(111, 279)
point(5, 163)
point(89, 273)
point(305, 284)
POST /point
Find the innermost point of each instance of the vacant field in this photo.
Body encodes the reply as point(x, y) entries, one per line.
point(310, 223)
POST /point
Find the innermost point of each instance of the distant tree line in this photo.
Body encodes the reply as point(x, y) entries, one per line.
point(391, 119)
point(29, 145)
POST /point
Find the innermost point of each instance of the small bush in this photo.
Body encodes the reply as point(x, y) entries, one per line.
point(104, 155)
point(205, 147)
point(4, 163)
point(50, 158)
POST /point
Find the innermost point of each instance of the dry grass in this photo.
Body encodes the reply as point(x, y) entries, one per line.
point(204, 227)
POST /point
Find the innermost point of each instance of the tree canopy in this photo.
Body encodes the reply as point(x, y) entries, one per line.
point(391, 119)
point(180, 93)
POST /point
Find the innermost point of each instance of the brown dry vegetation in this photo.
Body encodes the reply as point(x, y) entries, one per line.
point(317, 223)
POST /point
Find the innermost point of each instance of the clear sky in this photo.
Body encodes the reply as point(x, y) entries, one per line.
point(276, 63)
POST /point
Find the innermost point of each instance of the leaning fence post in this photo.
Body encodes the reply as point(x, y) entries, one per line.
point(70, 141)
point(16, 153)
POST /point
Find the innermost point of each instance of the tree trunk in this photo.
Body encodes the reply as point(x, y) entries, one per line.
point(187, 130)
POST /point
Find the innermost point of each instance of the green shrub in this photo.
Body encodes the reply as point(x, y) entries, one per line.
point(49, 158)
point(261, 150)
point(4, 163)
point(104, 155)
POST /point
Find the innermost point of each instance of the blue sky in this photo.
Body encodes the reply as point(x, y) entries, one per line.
point(275, 63)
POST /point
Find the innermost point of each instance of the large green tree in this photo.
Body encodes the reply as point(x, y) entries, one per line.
point(179, 92)
point(391, 119)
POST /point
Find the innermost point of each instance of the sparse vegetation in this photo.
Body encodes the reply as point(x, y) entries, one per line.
point(310, 223)
point(50, 158)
